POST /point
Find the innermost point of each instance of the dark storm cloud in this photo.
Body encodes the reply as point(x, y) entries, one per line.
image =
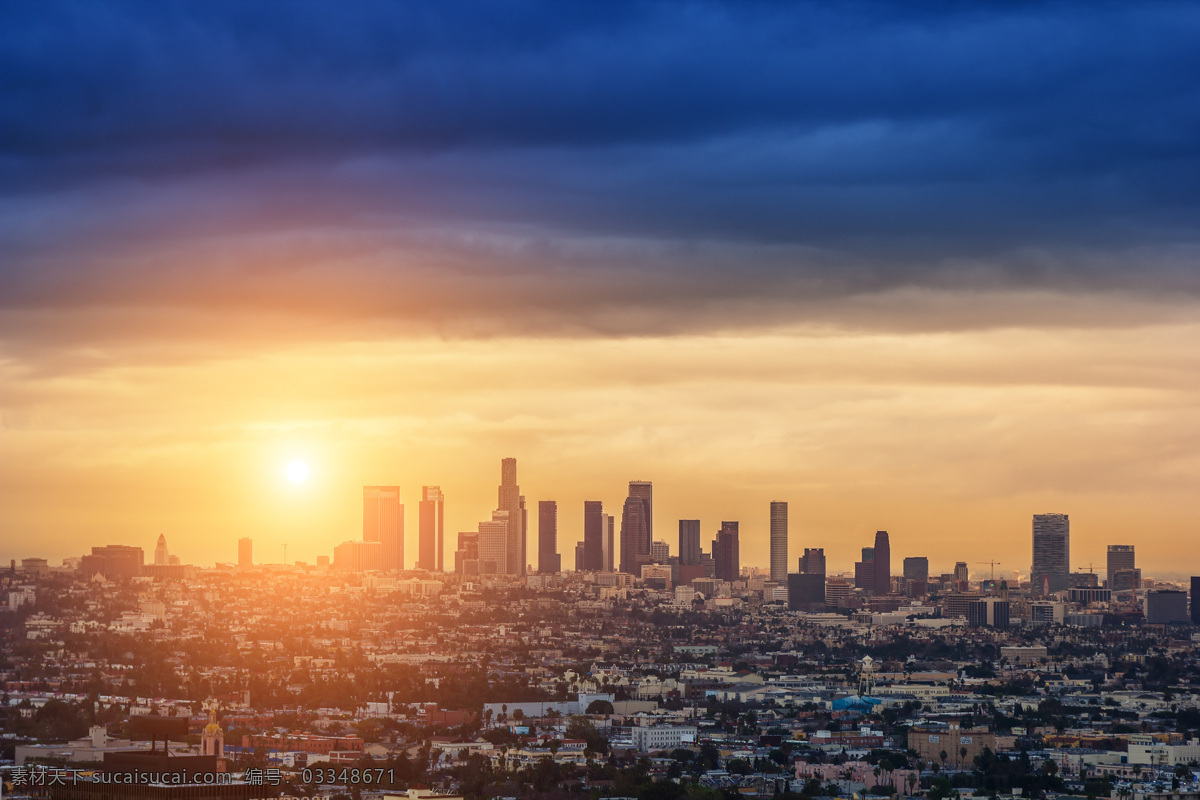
point(317, 157)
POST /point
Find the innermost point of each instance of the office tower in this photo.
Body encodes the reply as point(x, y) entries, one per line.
point(161, 557)
point(864, 570)
point(358, 556)
point(593, 537)
point(1195, 598)
point(779, 540)
point(1166, 607)
point(383, 522)
point(725, 553)
point(962, 573)
point(466, 557)
point(644, 490)
point(549, 562)
point(991, 612)
point(510, 501)
point(580, 556)
point(883, 563)
point(431, 521)
point(1051, 553)
point(608, 542)
point(245, 552)
point(1121, 569)
point(689, 542)
point(916, 568)
point(806, 591)
point(524, 537)
point(113, 561)
point(660, 552)
point(635, 534)
point(494, 538)
point(813, 561)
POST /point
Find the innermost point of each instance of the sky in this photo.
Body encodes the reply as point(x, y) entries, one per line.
point(920, 267)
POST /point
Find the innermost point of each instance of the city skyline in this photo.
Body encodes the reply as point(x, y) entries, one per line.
point(924, 270)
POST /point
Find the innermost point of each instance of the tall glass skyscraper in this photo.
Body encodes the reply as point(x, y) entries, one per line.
point(383, 521)
point(549, 561)
point(1051, 553)
point(779, 541)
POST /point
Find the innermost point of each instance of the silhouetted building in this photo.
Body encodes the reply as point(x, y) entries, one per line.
point(245, 552)
point(1051, 553)
point(494, 538)
point(883, 563)
point(635, 530)
point(806, 591)
point(431, 519)
point(864, 570)
point(161, 557)
point(580, 557)
point(779, 540)
point(1195, 600)
point(813, 561)
point(916, 568)
point(510, 500)
point(644, 491)
point(608, 542)
point(113, 561)
point(549, 561)
point(689, 542)
point(356, 556)
point(593, 537)
point(1167, 607)
point(466, 557)
point(1125, 580)
point(383, 522)
point(725, 553)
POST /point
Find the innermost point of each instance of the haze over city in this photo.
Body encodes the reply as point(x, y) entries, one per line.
point(924, 270)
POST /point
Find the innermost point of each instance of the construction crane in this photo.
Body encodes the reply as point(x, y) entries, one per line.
point(993, 565)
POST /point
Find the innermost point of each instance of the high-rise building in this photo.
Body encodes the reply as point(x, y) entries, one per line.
point(113, 561)
point(593, 537)
point(245, 552)
point(635, 532)
point(383, 522)
point(962, 573)
point(510, 500)
point(813, 561)
point(779, 540)
point(494, 538)
point(644, 490)
point(916, 568)
point(549, 562)
point(864, 570)
point(991, 612)
point(726, 554)
point(466, 557)
point(431, 515)
point(608, 543)
point(161, 557)
point(883, 563)
point(1166, 607)
point(689, 542)
point(806, 591)
point(579, 557)
point(358, 556)
point(1195, 598)
point(1051, 553)
point(1120, 559)
point(660, 552)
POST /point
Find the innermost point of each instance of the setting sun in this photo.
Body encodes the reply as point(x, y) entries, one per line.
point(297, 471)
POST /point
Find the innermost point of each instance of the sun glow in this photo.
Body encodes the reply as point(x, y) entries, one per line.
point(297, 471)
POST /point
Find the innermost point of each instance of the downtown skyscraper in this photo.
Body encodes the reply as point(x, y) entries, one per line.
point(689, 542)
point(779, 541)
point(593, 533)
point(726, 552)
point(383, 522)
point(1051, 567)
point(511, 501)
point(883, 563)
point(431, 528)
point(637, 527)
point(549, 561)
